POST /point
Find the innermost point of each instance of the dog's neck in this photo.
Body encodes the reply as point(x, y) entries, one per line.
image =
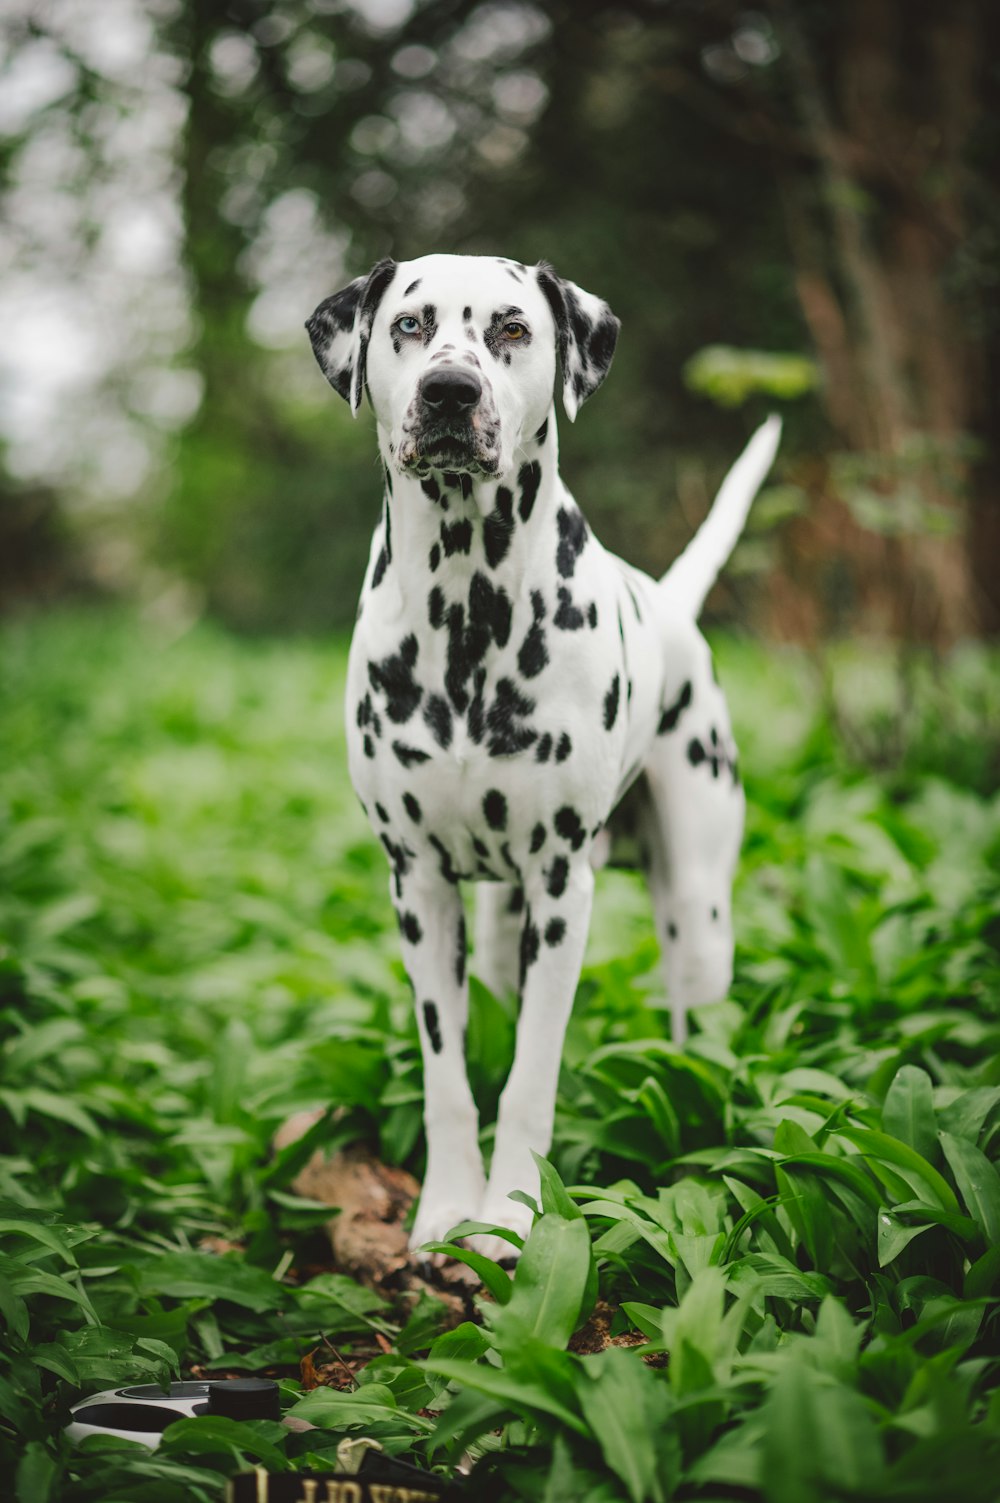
point(473, 522)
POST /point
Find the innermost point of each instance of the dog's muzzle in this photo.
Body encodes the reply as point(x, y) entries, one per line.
point(451, 424)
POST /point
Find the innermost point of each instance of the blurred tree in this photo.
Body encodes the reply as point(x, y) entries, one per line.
point(807, 178)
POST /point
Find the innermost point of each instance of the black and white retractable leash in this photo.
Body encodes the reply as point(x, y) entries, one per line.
point(143, 1411)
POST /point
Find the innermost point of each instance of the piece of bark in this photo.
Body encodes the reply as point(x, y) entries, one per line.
point(367, 1235)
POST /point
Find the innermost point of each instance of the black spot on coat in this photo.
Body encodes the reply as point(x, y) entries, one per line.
point(529, 946)
point(611, 703)
point(567, 617)
point(498, 527)
point(448, 870)
point(529, 478)
point(671, 715)
point(456, 538)
point(533, 654)
point(572, 539)
point(555, 932)
point(507, 737)
point(393, 676)
point(437, 716)
point(495, 809)
point(568, 824)
point(410, 925)
point(409, 756)
point(433, 1027)
point(460, 950)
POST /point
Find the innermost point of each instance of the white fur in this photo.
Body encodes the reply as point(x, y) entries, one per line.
point(435, 800)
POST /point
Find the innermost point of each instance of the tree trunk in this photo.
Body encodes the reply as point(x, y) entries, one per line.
point(888, 120)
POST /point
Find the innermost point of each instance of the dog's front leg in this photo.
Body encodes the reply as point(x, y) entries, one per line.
point(432, 926)
point(553, 937)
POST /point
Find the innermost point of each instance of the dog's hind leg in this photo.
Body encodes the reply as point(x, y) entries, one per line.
point(696, 831)
point(432, 927)
point(499, 909)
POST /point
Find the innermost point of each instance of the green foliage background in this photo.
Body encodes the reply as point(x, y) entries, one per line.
point(787, 204)
point(802, 1209)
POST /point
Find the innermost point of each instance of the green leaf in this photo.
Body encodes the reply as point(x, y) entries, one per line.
point(521, 1395)
point(627, 1407)
point(562, 1485)
point(205, 1276)
point(983, 1275)
point(36, 1474)
point(691, 1332)
point(776, 1276)
point(38, 1231)
point(468, 1416)
point(646, 1318)
point(922, 1177)
point(207, 1434)
point(978, 1182)
point(56, 1359)
point(908, 1111)
point(464, 1342)
point(730, 376)
point(332, 1410)
point(495, 1278)
point(820, 1439)
point(550, 1284)
point(48, 1104)
point(25, 1280)
point(554, 1196)
point(13, 1310)
point(894, 1235)
point(486, 1229)
point(755, 1208)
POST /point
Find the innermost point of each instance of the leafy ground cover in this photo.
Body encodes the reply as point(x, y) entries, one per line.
point(767, 1266)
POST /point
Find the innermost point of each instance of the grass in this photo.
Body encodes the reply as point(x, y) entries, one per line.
point(799, 1214)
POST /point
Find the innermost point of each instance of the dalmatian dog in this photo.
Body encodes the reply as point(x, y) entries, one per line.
point(521, 704)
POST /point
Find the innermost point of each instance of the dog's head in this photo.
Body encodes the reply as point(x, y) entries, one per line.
point(457, 354)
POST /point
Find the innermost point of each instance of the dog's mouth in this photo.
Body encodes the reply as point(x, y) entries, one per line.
point(460, 451)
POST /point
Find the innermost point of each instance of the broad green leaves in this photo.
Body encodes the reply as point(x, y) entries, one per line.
point(798, 1214)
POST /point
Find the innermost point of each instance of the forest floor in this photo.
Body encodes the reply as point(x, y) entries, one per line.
point(767, 1265)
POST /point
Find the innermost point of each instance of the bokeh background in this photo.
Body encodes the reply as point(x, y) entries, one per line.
point(794, 206)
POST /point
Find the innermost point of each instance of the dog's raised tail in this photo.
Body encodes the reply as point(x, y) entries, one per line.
point(692, 575)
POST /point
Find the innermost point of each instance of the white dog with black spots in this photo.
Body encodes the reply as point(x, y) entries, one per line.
point(521, 703)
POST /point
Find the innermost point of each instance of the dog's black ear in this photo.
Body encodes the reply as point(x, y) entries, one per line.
point(587, 331)
point(341, 327)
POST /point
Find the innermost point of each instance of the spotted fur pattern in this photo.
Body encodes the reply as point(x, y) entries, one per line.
point(522, 705)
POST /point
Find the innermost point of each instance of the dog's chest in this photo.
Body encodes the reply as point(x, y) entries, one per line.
point(480, 718)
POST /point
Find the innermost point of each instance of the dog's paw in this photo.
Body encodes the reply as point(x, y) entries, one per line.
point(499, 1211)
point(434, 1222)
point(497, 1248)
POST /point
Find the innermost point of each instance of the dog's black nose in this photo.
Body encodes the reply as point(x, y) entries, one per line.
point(451, 392)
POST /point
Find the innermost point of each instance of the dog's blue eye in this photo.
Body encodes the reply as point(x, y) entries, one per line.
point(408, 325)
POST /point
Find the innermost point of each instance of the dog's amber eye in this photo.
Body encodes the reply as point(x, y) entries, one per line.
point(514, 331)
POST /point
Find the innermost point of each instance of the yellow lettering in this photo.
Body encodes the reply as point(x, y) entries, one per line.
point(309, 1486)
point(342, 1492)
